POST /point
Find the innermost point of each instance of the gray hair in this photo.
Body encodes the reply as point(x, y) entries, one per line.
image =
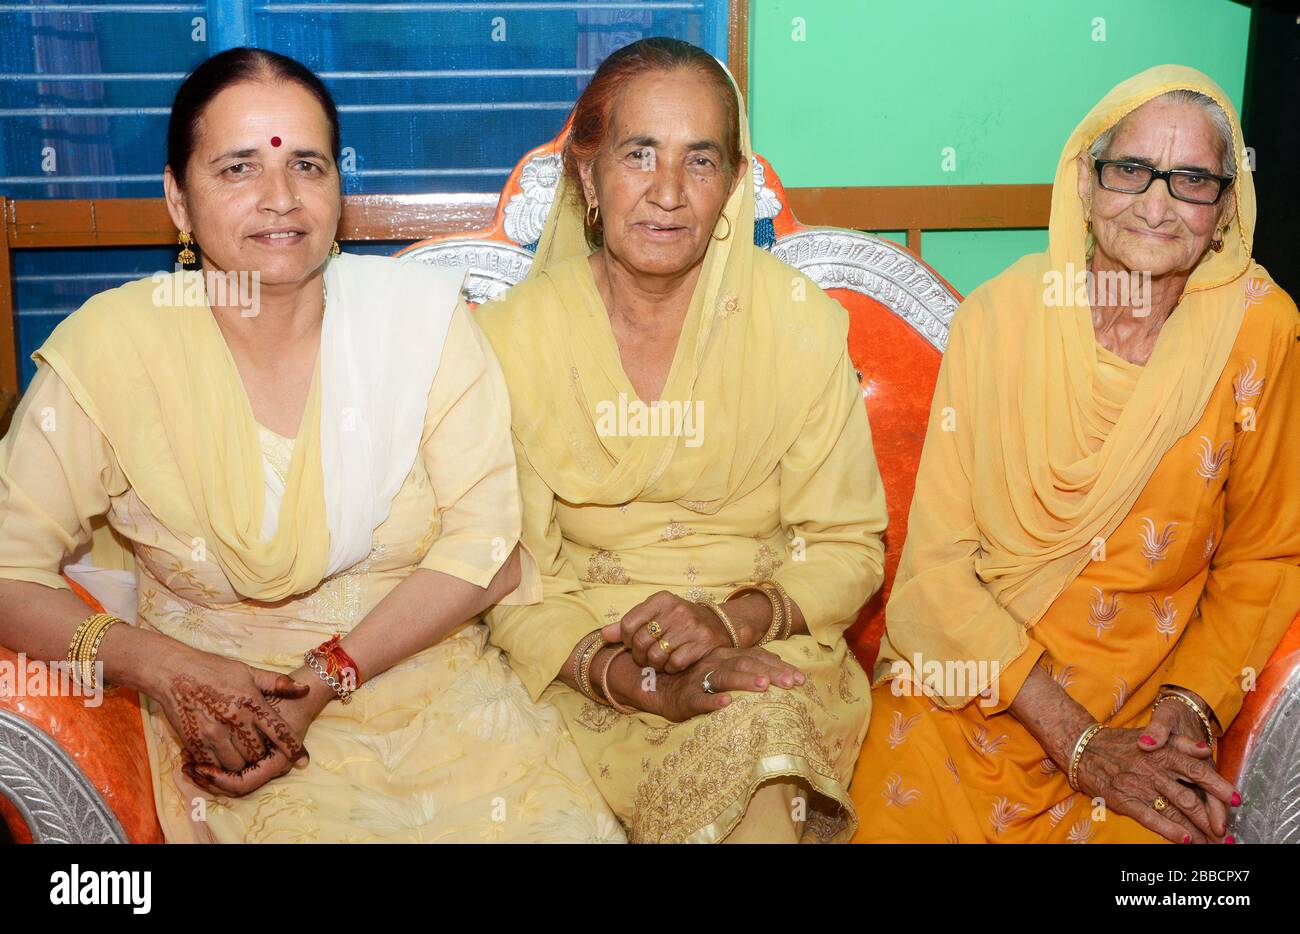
point(1218, 118)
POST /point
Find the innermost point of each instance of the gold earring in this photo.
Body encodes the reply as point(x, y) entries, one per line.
point(335, 250)
point(725, 218)
point(1217, 244)
point(593, 214)
point(186, 256)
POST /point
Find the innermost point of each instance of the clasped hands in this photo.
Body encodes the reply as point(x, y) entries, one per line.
point(239, 726)
point(686, 643)
point(1162, 776)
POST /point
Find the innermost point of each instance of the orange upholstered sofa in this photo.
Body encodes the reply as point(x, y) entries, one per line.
point(68, 773)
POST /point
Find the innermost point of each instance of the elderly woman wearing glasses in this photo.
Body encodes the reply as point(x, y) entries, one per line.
point(1105, 539)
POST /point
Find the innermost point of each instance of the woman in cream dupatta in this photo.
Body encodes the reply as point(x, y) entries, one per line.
point(1122, 530)
point(770, 476)
point(386, 522)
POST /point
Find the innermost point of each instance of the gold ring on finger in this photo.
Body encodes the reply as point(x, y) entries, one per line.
point(663, 644)
point(1160, 803)
point(654, 628)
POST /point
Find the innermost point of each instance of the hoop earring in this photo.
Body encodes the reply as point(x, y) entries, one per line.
point(186, 256)
point(335, 250)
point(725, 218)
point(593, 214)
point(1217, 245)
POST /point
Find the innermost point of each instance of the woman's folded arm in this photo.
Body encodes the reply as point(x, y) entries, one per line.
point(1252, 593)
point(833, 510)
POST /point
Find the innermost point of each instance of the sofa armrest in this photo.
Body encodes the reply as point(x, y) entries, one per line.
point(1260, 752)
point(70, 772)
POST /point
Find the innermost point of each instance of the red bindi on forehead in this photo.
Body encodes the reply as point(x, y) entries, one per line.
point(275, 141)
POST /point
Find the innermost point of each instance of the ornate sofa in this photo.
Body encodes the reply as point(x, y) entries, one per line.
point(72, 774)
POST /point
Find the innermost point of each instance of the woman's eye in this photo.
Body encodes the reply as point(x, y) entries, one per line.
point(1194, 180)
point(308, 166)
point(239, 168)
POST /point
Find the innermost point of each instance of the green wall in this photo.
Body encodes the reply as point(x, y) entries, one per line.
point(876, 89)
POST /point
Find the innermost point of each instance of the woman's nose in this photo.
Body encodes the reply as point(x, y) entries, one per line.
point(278, 192)
point(667, 189)
point(1155, 204)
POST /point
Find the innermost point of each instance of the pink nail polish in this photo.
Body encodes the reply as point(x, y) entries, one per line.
point(1146, 740)
point(1230, 839)
point(1187, 838)
point(1202, 746)
point(1236, 799)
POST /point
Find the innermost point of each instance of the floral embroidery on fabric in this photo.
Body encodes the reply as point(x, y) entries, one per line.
point(728, 305)
point(657, 735)
point(1156, 546)
point(766, 562)
point(843, 687)
point(675, 530)
point(899, 728)
point(951, 766)
point(1064, 677)
point(1120, 694)
point(1211, 461)
point(1166, 614)
point(597, 717)
point(1004, 812)
point(984, 744)
point(719, 764)
point(1247, 384)
point(1080, 832)
point(1102, 611)
point(1057, 812)
point(605, 567)
point(896, 794)
point(1256, 289)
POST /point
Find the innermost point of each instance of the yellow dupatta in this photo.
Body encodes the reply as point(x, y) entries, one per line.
point(1064, 440)
point(150, 367)
point(755, 356)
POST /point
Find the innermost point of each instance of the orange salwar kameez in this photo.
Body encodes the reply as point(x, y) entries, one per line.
point(1196, 587)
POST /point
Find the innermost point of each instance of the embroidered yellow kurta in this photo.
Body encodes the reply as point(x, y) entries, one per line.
point(1194, 588)
point(811, 521)
point(444, 746)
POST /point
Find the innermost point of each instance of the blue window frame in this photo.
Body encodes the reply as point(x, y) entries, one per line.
point(435, 96)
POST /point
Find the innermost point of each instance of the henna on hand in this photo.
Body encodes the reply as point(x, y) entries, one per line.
point(239, 713)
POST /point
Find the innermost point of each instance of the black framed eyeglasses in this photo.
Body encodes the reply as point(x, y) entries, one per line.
point(1133, 178)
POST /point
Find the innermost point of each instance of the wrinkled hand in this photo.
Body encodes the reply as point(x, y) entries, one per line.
point(1129, 774)
point(682, 696)
point(691, 631)
point(1174, 724)
point(219, 708)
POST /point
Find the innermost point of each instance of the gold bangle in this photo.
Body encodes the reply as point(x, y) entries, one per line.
point(83, 650)
point(1195, 707)
point(603, 681)
point(726, 622)
point(778, 614)
point(788, 606)
point(584, 666)
point(579, 657)
point(1079, 747)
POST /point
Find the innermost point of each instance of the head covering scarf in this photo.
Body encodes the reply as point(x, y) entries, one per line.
point(563, 364)
point(1066, 439)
